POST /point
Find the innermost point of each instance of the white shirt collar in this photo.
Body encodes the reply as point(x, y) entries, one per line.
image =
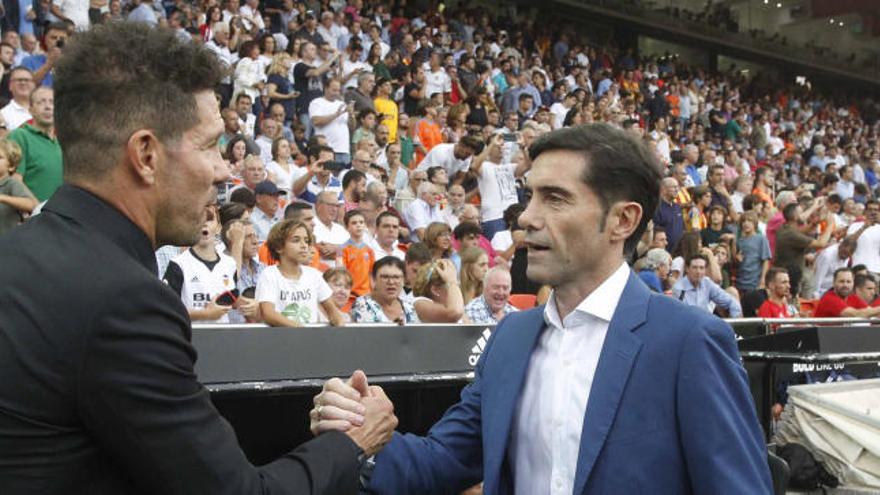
point(601, 303)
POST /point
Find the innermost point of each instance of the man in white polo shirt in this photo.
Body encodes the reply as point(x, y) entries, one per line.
point(21, 83)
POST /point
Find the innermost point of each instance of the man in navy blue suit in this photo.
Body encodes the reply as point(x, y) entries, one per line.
point(608, 388)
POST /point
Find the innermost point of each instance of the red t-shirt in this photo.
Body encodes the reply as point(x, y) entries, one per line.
point(830, 305)
point(770, 309)
point(854, 301)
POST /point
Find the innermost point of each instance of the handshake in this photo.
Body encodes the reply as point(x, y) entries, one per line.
point(360, 410)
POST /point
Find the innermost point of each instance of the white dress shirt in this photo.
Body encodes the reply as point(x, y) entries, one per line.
point(546, 433)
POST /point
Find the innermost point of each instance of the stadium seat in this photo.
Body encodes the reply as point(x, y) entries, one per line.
point(808, 306)
point(778, 473)
point(523, 301)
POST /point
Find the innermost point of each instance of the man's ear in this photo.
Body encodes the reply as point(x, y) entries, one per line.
point(144, 153)
point(623, 220)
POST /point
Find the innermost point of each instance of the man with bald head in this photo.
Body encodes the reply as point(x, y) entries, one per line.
point(668, 215)
point(492, 305)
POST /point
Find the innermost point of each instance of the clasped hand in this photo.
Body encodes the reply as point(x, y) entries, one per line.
point(360, 410)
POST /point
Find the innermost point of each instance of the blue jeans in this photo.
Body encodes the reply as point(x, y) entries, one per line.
point(492, 227)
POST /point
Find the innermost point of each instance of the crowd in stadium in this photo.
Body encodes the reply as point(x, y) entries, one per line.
point(379, 157)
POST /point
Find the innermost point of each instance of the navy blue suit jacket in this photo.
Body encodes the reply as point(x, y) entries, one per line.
point(669, 412)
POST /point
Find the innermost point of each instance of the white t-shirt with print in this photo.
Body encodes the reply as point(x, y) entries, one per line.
point(295, 299)
point(497, 189)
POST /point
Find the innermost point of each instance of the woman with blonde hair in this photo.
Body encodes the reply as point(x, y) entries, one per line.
point(437, 294)
point(456, 123)
point(282, 170)
point(438, 238)
point(278, 85)
point(474, 265)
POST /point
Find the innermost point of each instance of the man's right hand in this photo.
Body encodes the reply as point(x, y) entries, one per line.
point(362, 411)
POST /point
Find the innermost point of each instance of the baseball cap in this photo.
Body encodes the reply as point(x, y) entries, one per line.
point(268, 187)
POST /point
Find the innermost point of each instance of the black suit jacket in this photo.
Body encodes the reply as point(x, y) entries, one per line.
point(98, 392)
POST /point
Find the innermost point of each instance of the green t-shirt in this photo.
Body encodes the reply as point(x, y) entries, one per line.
point(9, 216)
point(407, 150)
point(41, 163)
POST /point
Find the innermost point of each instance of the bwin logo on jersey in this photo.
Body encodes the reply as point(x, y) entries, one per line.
point(477, 349)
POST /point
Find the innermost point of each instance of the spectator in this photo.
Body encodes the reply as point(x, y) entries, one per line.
point(387, 108)
point(455, 158)
point(330, 117)
point(282, 170)
point(752, 255)
point(279, 87)
point(318, 178)
point(249, 77)
point(267, 213)
point(864, 291)
point(357, 256)
point(777, 304)
point(41, 64)
point(492, 305)
point(497, 184)
point(438, 297)
point(474, 265)
point(41, 167)
point(385, 242)
point(307, 76)
point(828, 261)
point(669, 215)
point(695, 289)
point(423, 211)
point(329, 235)
point(241, 244)
point(867, 237)
point(340, 283)
point(438, 238)
point(360, 94)
point(385, 304)
point(406, 196)
point(835, 302)
point(16, 200)
point(289, 293)
point(792, 245)
point(201, 274)
point(655, 269)
point(16, 112)
point(270, 130)
point(354, 187)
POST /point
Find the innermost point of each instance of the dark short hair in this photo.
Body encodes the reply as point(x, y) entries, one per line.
point(315, 151)
point(231, 211)
point(118, 78)
point(861, 279)
point(789, 213)
point(352, 176)
point(388, 261)
point(244, 196)
point(351, 214)
point(841, 270)
point(385, 214)
point(697, 256)
point(418, 252)
point(293, 209)
point(617, 167)
point(465, 229)
point(772, 272)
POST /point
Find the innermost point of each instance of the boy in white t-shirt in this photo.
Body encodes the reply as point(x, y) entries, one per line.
point(289, 293)
point(200, 274)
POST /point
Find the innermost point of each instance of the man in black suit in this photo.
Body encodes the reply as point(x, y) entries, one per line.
point(98, 392)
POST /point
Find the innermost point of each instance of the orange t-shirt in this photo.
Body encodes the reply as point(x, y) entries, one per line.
point(358, 260)
point(429, 135)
